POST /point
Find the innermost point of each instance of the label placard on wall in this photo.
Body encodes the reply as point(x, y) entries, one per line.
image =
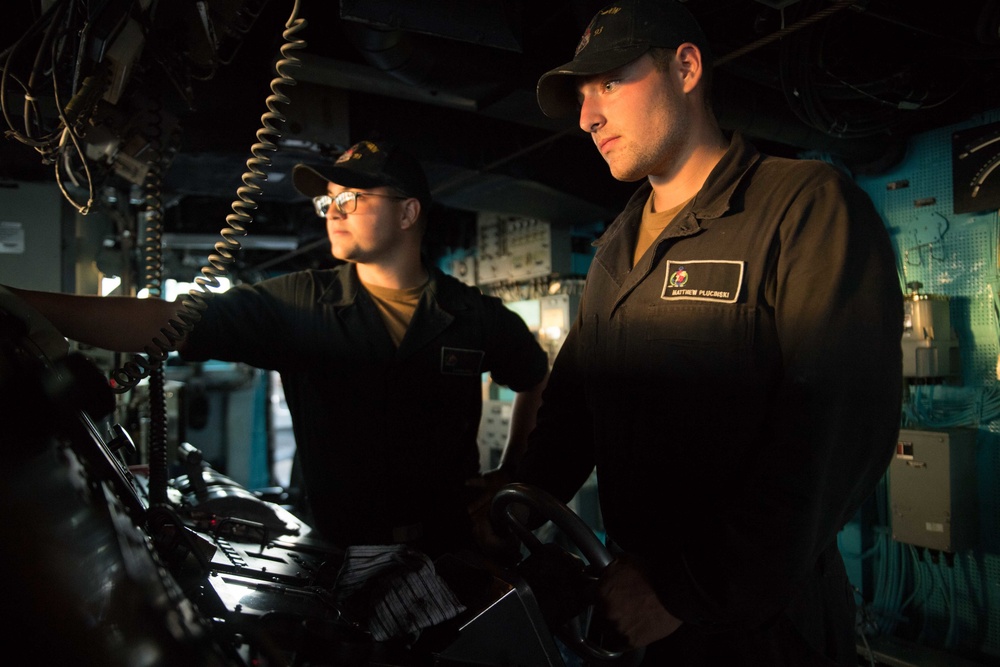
point(11, 238)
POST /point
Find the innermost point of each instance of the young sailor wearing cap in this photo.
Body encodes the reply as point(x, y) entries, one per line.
point(381, 357)
point(374, 200)
point(734, 371)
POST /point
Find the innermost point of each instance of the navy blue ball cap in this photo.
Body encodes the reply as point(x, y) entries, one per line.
point(366, 164)
point(617, 35)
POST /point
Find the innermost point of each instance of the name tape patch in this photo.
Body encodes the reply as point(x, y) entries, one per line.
point(717, 280)
point(458, 361)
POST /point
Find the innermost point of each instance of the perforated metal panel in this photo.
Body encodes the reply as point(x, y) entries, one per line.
point(955, 255)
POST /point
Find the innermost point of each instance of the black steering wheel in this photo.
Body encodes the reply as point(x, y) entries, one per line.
point(596, 554)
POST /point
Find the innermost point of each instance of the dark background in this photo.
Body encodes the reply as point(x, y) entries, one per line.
point(454, 83)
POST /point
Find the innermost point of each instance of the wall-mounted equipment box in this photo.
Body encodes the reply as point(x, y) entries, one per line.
point(36, 237)
point(932, 489)
point(930, 347)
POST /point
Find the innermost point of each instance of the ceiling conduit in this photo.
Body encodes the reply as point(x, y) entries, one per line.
point(432, 66)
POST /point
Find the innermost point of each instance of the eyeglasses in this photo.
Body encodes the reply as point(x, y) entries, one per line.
point(345, 202)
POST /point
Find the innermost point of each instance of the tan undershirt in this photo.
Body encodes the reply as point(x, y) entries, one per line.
point(652, 224)
point(396, 306)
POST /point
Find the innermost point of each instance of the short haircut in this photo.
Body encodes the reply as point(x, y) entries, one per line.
point(662, 57)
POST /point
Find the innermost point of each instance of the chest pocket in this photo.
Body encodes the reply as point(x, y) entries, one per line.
point(698, 340)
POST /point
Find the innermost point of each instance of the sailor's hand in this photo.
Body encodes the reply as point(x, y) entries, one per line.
point(632, 614)
point(494, 542)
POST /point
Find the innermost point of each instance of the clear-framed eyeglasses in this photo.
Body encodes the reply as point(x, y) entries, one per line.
point(345, 202)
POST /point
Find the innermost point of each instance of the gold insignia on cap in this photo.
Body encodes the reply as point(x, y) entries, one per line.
point(346, 155)
point(591, 31)
point(355, 152)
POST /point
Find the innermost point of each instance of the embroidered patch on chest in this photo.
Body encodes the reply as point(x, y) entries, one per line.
point(457, 361)
point(716, 280)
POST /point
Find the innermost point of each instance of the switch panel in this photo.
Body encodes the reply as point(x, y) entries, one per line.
point(932, 489)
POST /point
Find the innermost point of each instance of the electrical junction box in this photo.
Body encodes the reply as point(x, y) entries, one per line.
point(932, 489)
point(930, 348)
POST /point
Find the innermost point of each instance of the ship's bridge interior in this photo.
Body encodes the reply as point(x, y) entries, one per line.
point(154, 505)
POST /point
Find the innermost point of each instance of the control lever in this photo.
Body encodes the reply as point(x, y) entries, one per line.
point(216, 494)
point(120, 439)
point(191, 457)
